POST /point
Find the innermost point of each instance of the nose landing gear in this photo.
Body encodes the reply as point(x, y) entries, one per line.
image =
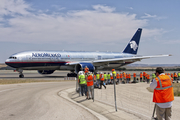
point(20, 73)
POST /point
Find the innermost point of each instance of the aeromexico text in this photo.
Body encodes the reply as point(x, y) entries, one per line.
point(46, 55)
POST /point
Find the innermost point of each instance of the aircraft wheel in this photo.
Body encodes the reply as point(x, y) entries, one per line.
point(21, 76)
point(68, 75)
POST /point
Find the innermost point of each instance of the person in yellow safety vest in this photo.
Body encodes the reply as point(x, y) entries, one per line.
point(178, 75)
point(105, 77)
point(102, 80)
point(82, 83)
point(114, 73)
point(163, 95)
point(98, 80)
point(108, 78)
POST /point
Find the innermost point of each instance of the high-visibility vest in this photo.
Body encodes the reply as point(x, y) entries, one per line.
point(153, 76)
point(118, 76)
point(178, 74)
point(171, 74)
point(82, 79)
point(114, 73)
point(134, 75)
point(144, 73)
point(141, 75)
point(89, 80)
point(121, 76)
point(102, 77)
point(108, 76)
point(124, 74)
point(164, 91)
point(129, 76)
point(111, 77)
point(97, 76)
point(86, 70)
point(148, 76)
point(175, 75)
point(94, 77)
point(105, 76)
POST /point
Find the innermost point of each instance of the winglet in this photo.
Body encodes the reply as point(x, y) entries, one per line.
point(133, 45)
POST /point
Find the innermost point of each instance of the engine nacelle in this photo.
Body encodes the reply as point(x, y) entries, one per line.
point(45, 71)
point(81, 66)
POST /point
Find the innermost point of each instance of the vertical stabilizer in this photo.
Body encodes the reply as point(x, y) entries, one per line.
point(133, 45)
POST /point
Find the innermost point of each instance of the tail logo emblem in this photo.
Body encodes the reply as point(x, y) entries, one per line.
point(133, 45)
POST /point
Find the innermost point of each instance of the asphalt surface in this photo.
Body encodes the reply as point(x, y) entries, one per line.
point(39, 101)
point(43, 101)
point(10, 74)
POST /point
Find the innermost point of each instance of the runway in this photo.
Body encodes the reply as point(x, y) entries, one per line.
point(10, 74)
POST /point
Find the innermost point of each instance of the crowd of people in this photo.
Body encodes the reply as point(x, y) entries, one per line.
point(161, 83)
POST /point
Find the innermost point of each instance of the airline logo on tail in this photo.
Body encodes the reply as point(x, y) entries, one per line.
point(133, 45)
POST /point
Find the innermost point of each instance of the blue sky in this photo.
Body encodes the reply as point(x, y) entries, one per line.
point(90, 25)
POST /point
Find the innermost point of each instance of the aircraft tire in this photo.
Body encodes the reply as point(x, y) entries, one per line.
point(21, 76)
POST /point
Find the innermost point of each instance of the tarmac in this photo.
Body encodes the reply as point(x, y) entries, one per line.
point(134, 102)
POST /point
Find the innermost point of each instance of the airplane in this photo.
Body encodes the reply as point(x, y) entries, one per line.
point(46, 62)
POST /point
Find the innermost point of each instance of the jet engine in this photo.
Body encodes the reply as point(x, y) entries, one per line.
point(45, 71)
point(81, 66)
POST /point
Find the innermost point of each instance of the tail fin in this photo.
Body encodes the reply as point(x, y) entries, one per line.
point(133, 45)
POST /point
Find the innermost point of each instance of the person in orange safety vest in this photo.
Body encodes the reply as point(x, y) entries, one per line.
point(117, 77)
point(141, 75)
point(144, 76)
point(102, 80)
point(163, 95)
point(175, 76)
point(86, 70)
point(89, 80)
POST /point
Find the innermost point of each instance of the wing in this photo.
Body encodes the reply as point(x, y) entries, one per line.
point(118, 60)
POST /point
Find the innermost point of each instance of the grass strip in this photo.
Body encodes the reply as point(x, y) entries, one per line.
point(16, 81)
point(176, 89)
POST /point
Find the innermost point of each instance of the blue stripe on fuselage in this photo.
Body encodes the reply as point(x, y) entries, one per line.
point(34, 64)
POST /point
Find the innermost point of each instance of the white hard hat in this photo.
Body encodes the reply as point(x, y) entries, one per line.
point(80, 72)
point(89, 73)
point(101, 72)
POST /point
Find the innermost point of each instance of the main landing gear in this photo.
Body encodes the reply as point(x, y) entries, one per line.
point(71, 75)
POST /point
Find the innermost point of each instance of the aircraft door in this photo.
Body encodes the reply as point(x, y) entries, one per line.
point(99, 57)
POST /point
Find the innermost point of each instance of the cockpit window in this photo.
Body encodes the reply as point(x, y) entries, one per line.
point(12, 57)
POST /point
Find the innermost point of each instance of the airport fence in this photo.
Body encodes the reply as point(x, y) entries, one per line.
point(133, 98)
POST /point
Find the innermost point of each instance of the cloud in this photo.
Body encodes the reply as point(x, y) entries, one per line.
point(12, 7)
point(148, 16)
point(131, 8)
point(102, 8)
point(152, 16)
point(102, 24)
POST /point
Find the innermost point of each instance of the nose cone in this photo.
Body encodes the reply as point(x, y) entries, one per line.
point(6, 62)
